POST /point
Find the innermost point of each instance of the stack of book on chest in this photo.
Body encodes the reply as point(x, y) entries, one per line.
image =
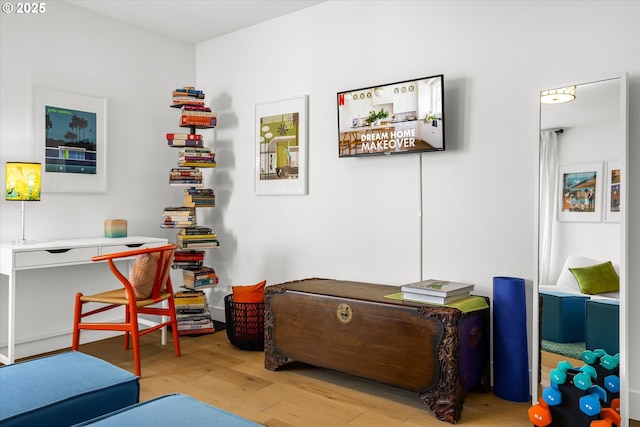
point(436, 291)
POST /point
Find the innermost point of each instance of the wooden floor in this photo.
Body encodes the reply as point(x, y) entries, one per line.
point(214, 371)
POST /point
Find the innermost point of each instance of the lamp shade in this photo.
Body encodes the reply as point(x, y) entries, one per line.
point(23, 181)
point(558, 96)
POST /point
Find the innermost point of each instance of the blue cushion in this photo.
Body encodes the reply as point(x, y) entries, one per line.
point(63, 389)
point(170, 411)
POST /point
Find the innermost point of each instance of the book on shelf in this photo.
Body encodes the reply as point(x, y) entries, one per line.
point(194, 237)
point(195, 111)
point(192, 151)
point(190, 120)
point(198, 164)
point(179, 211)
point(182, 171)
point(185, 142)
point(195, 108)
point(199, 278)
point(193, 306)
point(201, 245)
point(185, 136)
point(191, 260)
point(185, 184)
point(188, 92)
point(180, 101)
point(187, 310)
point(439, 288)
point(195, 324)
point(197, 230)
point(199, 201)
point(197, 331)
point(186, 317)
point(169, 223)
point(189, 294)
point(433, 299)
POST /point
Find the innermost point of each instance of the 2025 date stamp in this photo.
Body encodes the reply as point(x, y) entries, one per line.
point(24, 8)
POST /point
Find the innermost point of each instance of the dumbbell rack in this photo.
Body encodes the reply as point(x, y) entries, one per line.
point(588, 396)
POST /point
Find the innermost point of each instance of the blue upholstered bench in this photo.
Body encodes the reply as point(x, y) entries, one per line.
point(62, 390)
point(563, 316)
point(602, 318)
point(170, 411)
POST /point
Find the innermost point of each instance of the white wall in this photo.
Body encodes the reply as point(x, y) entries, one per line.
point(360, 220)
point(70, 49)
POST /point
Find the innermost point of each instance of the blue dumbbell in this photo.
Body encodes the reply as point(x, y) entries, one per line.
point(552, 396)
point(612, 383)
point(590, 405)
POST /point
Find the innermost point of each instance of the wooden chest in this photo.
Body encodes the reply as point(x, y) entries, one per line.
point(352, 327)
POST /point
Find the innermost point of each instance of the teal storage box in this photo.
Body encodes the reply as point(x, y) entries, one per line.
point(62, 390)
point(563, 317)
point(602, 325)
point(172, 410)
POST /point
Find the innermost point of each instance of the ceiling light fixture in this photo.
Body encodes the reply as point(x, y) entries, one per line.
point(378, 91)
point(558, 96)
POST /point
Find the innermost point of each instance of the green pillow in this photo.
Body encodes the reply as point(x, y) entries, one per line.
point(597, 279)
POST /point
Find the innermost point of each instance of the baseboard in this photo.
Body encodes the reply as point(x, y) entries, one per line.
point(634, 404)
point(61, 340)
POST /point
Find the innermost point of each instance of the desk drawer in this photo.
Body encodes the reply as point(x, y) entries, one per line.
point(112, 249)
point(53, 257)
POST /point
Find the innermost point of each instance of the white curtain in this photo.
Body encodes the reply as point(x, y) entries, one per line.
point(548, 188)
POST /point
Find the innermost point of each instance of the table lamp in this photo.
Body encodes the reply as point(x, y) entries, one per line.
point(23, 184)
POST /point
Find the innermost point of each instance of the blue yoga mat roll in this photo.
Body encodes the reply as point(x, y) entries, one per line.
point(510, 350)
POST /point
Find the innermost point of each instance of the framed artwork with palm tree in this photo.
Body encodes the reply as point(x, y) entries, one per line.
point(281, 147)
point(580, 192)
point(70, 141)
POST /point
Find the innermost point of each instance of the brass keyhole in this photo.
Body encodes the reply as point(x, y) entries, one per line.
point(344, 313)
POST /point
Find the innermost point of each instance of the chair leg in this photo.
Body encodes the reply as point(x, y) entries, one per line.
point(77, 317)
point(174, 327)
point(135, 336)
point(127, 320)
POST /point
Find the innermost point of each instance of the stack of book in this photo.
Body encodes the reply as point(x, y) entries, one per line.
point(179, 217)
point(187, 95)
point(436, 291)
point(192, 311)
point(203, 277)
point(198, 116)
point(200, 157)
point(197, 237)
point(188, 259)
point(199, 197)
point(184, 140)
point(185, 177)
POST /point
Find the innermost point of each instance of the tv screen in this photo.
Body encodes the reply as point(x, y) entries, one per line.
point(395, 118)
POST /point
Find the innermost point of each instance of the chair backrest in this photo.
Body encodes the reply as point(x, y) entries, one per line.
point(149, 276)
point(162, 279)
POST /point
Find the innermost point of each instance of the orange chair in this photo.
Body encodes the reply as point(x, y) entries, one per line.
point(148, 284)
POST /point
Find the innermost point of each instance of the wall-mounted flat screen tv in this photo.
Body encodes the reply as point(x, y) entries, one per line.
point(396, 118)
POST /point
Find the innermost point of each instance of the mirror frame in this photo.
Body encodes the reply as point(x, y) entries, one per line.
point(536, 318)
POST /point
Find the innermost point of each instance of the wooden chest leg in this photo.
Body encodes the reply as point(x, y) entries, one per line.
point(447, 397)
point(272, 359)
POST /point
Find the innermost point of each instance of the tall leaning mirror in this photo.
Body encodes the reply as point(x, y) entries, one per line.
point(581, 262)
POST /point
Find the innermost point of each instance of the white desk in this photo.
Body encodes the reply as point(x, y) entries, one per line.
point(60, 253)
